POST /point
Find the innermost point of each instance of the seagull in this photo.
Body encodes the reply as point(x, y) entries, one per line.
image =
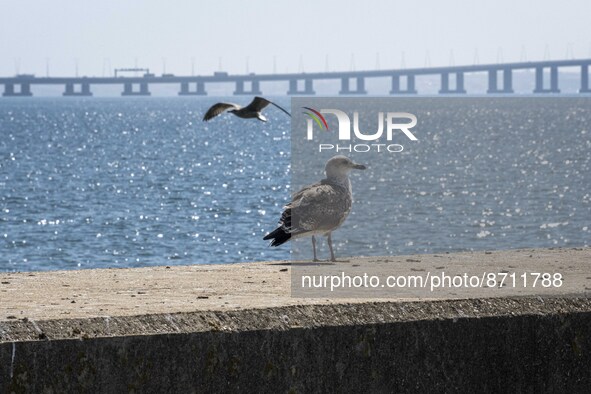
point(318, 209)
point(252, 110)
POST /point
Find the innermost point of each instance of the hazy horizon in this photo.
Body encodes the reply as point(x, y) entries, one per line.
point(183, 37)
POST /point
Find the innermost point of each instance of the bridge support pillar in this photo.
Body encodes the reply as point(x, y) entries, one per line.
point(492, 82)
point(459, 88)
point(199, 90)
point(540, 80)
point(71, 91)
point(554, 79)
point(493, 86)
point(86, 89)
point(444, 83)
point(308, 87)
point(144, 89)
point(10, 91)
point(26, 89)
point(507, 80)
point(129, 91)
point(346, 86)
point(585, 79)
point(410, 85)
point(254, 88)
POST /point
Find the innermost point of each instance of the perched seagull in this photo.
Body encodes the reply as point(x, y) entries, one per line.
point(252, 110)
point(319, 208)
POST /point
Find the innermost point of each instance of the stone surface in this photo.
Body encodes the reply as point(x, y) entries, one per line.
point(154, 330)
point(158, 290)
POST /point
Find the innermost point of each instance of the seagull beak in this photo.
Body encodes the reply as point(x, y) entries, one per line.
point(359, 166)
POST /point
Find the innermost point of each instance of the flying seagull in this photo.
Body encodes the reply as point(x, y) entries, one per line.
point(252, 110)
point(318, 209)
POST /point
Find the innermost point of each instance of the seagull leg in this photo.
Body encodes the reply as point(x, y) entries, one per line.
point(330, 247)
point(314, 247)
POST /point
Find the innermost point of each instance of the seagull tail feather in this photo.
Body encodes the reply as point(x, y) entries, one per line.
point(279, 236)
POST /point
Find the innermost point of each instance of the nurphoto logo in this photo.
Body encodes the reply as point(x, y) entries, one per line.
point(394, 122)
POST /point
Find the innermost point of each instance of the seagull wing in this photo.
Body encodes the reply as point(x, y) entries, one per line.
point(258, 103)
point(217, 109)
point(281, 108)
point(318, 207)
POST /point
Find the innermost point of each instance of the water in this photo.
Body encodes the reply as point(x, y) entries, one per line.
point(87, 183)
point(485, 174)
point(134, 182)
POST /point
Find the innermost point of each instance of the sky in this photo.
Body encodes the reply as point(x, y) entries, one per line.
point(184, 37)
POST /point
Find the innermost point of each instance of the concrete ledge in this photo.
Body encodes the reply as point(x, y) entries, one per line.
point(192, 344)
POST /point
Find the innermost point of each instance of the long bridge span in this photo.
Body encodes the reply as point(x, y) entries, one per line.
point(500, 80)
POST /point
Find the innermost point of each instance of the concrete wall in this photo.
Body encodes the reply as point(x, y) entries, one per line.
point(489, 345)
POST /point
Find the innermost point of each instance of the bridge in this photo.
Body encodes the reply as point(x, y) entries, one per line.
point(403, 81)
